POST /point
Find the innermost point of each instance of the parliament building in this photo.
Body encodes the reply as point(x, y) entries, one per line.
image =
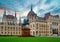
point(49, 25)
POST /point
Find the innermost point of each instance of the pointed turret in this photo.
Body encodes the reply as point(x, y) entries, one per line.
point(15, 14)
point(4, 12)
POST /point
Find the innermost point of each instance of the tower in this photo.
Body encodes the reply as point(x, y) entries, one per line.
point(19, 20)
point(15, 20)
point(4, 17)
point(31, 15)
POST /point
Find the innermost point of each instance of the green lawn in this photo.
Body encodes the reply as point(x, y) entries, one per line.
point(29, 39)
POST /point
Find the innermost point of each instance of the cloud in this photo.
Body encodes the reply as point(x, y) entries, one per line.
point(48, 1)
point(40, 7)
point(24, 13)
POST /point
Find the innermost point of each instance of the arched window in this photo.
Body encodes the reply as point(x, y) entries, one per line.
point(36, 32)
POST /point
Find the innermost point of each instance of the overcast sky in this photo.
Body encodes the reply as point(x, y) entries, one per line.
point(40, 7)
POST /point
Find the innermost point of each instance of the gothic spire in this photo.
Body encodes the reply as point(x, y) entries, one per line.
point(31, 8)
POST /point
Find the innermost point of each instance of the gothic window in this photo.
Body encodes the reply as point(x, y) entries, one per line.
point(36, 32)
point(5, 32)
point(8, 32)
point(33, 33)
point(36, 26)
point(1, 28)
point(33, 25)
point(2, 32)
